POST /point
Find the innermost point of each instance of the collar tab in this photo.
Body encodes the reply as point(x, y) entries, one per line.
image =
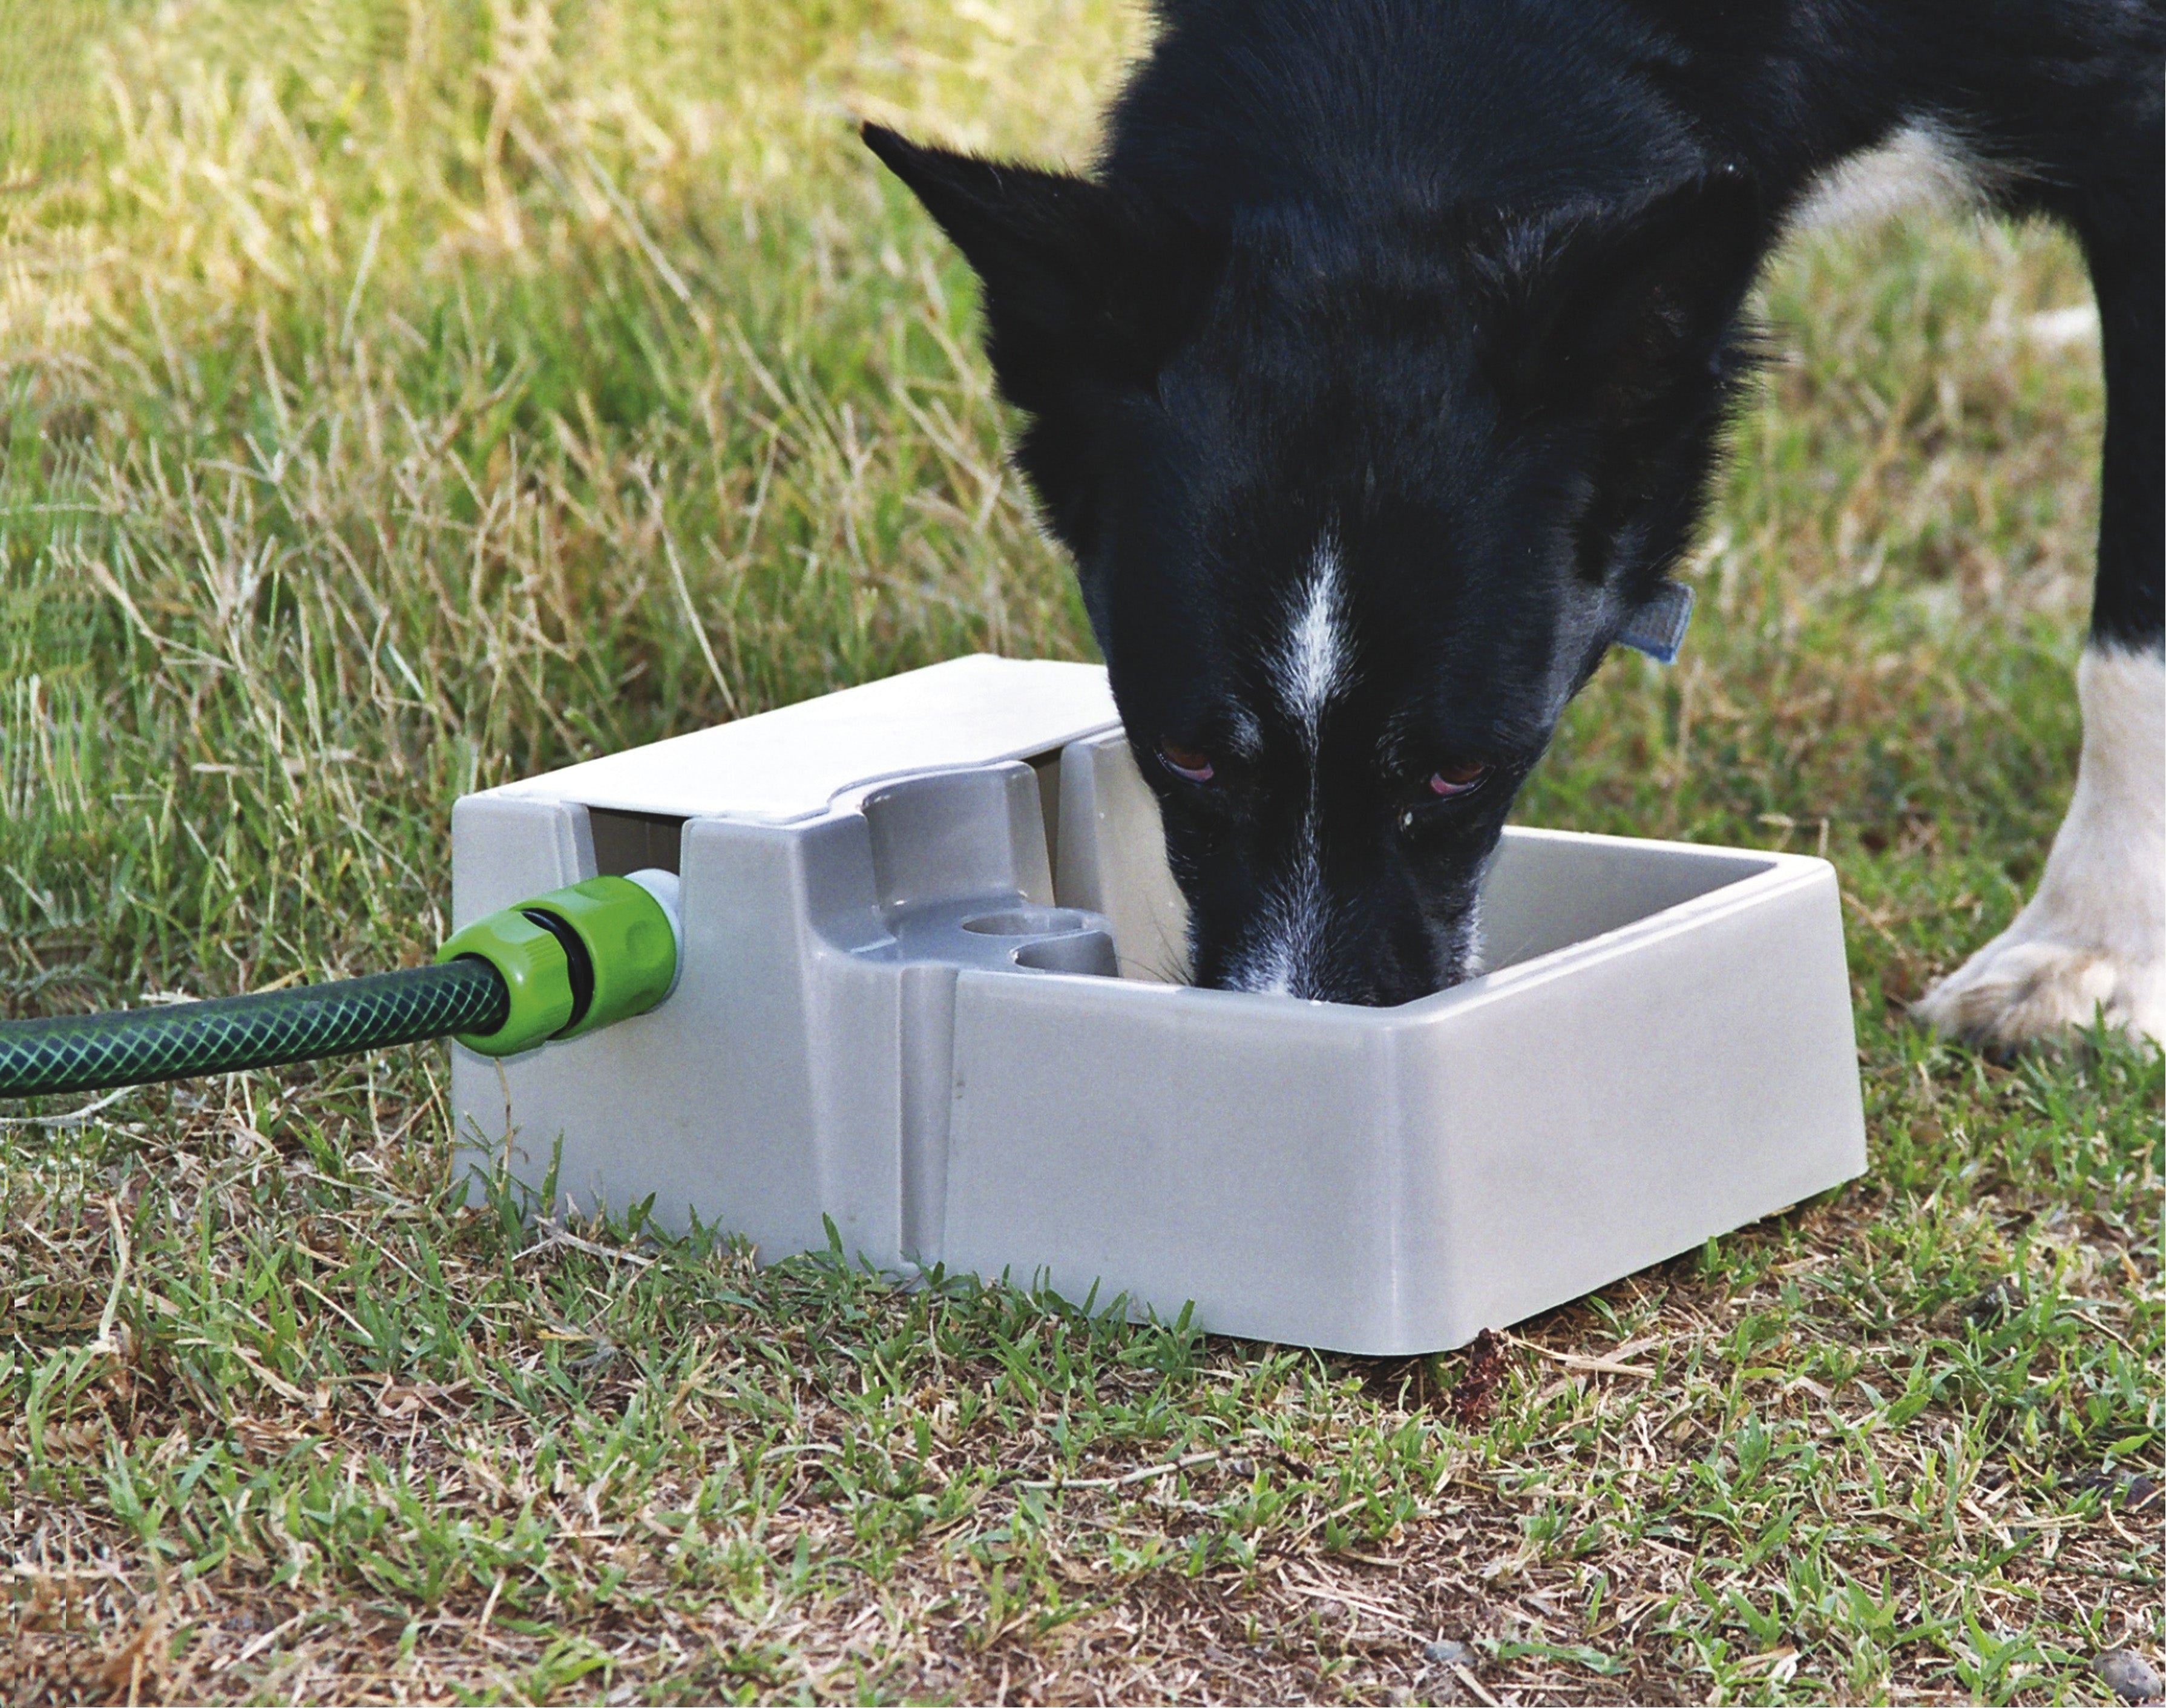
point(1657, 628)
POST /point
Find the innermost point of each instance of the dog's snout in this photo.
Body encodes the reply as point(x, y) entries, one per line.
point(1349, 949)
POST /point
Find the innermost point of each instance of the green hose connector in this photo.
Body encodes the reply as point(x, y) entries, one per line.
point(537, 980)
point(573, 960)
point(630, 944)
point(557, 966)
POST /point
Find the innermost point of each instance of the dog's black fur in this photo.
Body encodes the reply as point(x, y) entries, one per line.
point(1450, 291)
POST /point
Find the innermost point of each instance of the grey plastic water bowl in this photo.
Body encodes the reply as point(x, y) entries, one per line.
point(930, 990)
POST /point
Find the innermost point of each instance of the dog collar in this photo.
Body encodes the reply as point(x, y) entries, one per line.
point(1657, 628)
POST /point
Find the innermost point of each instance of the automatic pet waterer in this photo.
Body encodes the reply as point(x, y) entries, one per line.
point(899, 961)
point(927, 941)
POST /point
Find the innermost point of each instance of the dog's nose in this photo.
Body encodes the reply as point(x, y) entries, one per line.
point(1400, 965)
point(1366, 970)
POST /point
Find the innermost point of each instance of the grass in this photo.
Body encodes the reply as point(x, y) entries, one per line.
point(396, 398)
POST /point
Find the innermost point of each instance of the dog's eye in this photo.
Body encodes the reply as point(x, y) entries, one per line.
point(1448, 782)
point(1186, 763)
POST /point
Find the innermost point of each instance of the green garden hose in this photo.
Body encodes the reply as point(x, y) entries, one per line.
point(556, 966)
point(95, 1053)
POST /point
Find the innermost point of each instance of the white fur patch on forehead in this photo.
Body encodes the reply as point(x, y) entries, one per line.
point(1316, 656)
point(1313, 665)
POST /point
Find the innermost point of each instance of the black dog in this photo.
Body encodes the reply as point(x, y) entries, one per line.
point(1375, 379)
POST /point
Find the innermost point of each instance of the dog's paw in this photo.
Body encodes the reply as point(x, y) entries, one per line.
point(2018, 990)
point(2093, 941)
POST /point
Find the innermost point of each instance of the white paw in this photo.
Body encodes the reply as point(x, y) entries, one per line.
point(2093, 941)
point(2015, 991)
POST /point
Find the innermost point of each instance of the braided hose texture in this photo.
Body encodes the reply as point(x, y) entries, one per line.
point(95, 1053)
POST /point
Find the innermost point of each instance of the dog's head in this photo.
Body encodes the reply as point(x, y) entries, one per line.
point(1353, 520)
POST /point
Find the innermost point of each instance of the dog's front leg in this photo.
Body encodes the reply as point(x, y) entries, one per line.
point(2094, 938)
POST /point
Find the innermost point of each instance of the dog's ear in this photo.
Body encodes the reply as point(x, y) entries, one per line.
point(1622, 309)
point(1085, 289)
